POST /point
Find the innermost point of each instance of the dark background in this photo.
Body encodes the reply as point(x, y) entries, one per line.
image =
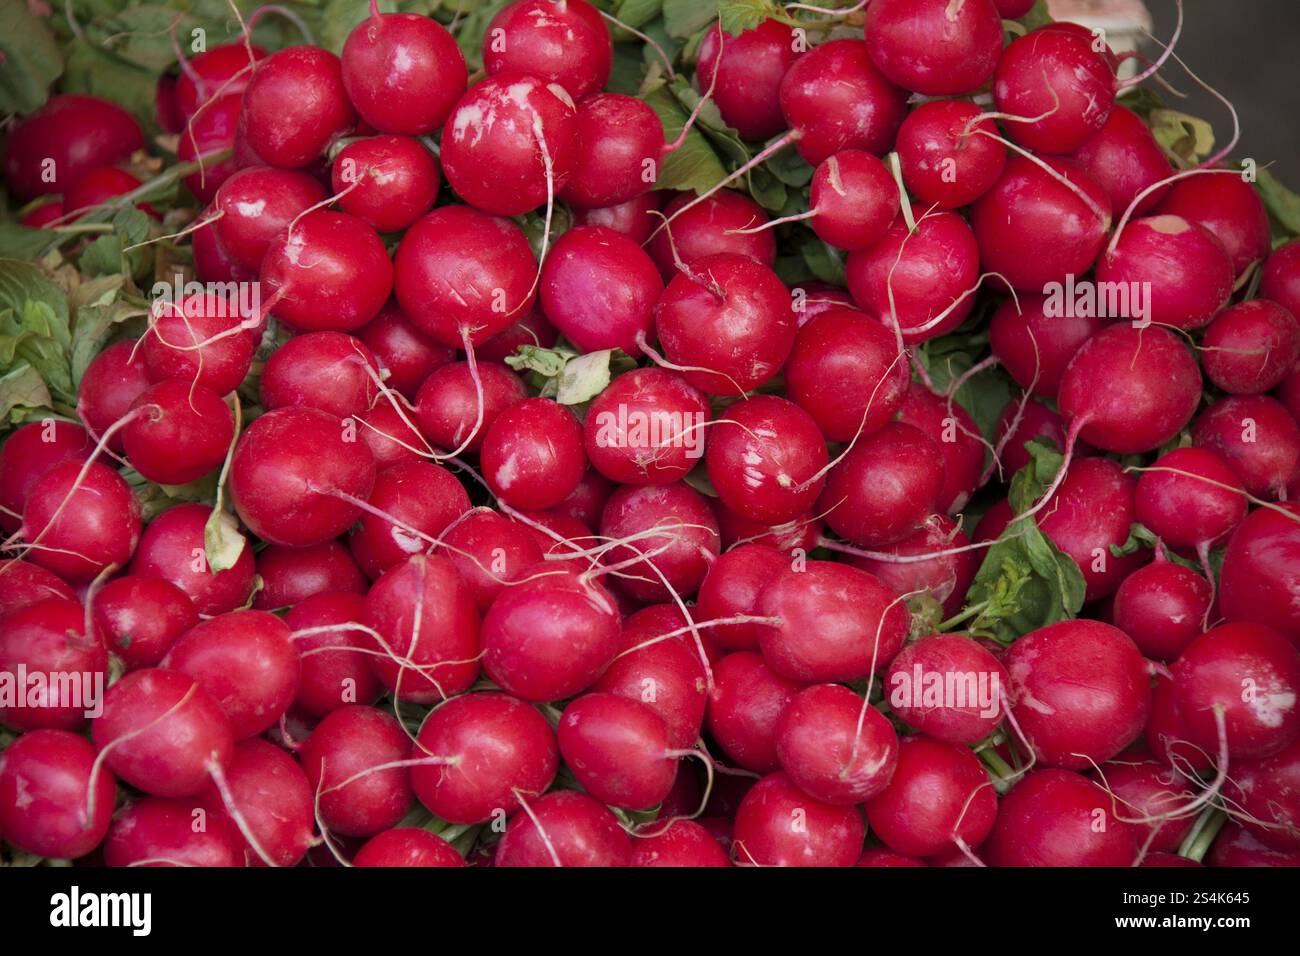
point(1249, 50)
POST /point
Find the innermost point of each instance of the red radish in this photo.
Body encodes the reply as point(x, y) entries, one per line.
point(853, 200)
point(949, 687)
point(956, 436)
point(222, 70)
point(1261, 571)
point(510, 142)
point(532, 328)
point(422, 498)
point(183, 433)
point(935, 47)
point(310, 78)
point(67, 136)
point(1251, 347)
point(532, 455)
point(565, 43)
point(880, 857)
point(328, 272)
point(1258, 439)
point(403, 72)
point(28, 453)
point(1145, 788)
point(587, 500)
point(732, 588)
point(680, 843)
point(885, 487)
point(77, 525)
point(162, 733)
point(426, 615)
point(634, 218)
point(1186, 269)
point(111, 383)
point(1035, 347)
point(1266, 791)
point(564, 828)
point(947, 576)
point(406, 352)
point(212, 262)
point(1037, 422)
point(1280, 280)
point(290, 575)
point(1189, 498)
point(255, 206)
point(207, 134)
point(834, 747)
point(327, 370)
point(722, 223)
point(141, 617)
point(334, 664)
point(745, 72)
point(1013, 9)
point(246, 661)
point(44, 216)
point(1229, 208)
point(834, 98)
point(446, 407)
point(295, 476)
point(1237, 846)
point(390, 439)
point(502, 751)
point(51, 639)
point(837, 623)
point(490, 552)
point(744, 706)
point(97, 187)
point(646, 428)
point(917, 277)
point(799, 534)
point(618, 749)
point(461, 274)
point(407, 846)
point(681, 553)
point(25, 584)
point(1058, 818)
point(563, 532)
point(348, 761)
point(53, 803)
point(944, 160)
point(1248, 674)
point(1162, 607)
point(269, 791)
point(1034, 230)
point(1123, 158)
point(1166, 733)
point(173, 549)
point(157, 832)
point(194, 341)
point(779, 825)
point(386, 181)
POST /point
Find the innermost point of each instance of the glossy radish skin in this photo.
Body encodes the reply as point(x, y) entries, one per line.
point(96, 187)
point(186, 342)
point(634, 218)
point(1035, 347)
point(403, 72)
point(490, 551)
point(407, 846)
point(272, 794)
point(939, 793)
point(621, 141)
point(28, 453)
point(745, 705)
point(972, 712)
point(1262, 572)
point(942, 161)
point(390, 439)
point(255, 206)
point(1058, 818)
point(226, 68)
point(766, 833)
point(956, 436)
point(927, 272)
point(933, 47)
point(285, 466)
point(1251, 674)
point(1269, 792)
point(182, 433)
point(711, 228)
point(646, 428)
point(1258, 439)
point(766, 458)
point(1190, 497)
point(173, 549)
point(835, 98)
point(837, 623)
point(1162, 607)
point(947, 577)
point(732, 588)
point(1237, 846)
point(1280, 279)
point(854, 198)
point(327, 370)
point(446, 407)
point(391, 181)
point(404, 351)
point(681, 843)
point(140, 617)
point(427, 617)
point(76, 132)
point(1146, 788)
point(681, 553)
point(831, 749)
point(423, 497)
point(207, 134)
point(351, 741)
point(566, 43)
point(1188, 271)
point(110, 384)
point(50, 637)
point(504, 749)
point(1124, 158)
point(533, 455)
point(290, 575)
point(800, 533)
point(745, 72)
point(99, 525)
point(47, 781)
point(618, 749)
point(309, 77)
point(581, 831)
point(599, 289)
point(158, 832)
point(334, 665)
point(25, 584)
point(1037, 423)
point(1251, 347)
point(1228, 208)
point(732, 316)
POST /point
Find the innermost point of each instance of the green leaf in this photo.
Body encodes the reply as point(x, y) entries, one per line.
point(694, 167)
point(637, 13)
point(20, 242)
point(94, 320)
point(738, 16)
point(104, 255)
point(98, 72)
point(825, 262)
point(684, 17)
point(1283, 205)
point(1025, 583)
point(584, 377)
point(22, 390)
point(222, 542)
point(34, 328)
point(1185, 138)
point(534, 358)
point(1031, 481)
point(1037, 16)
point(473, 27)
point(30, 60)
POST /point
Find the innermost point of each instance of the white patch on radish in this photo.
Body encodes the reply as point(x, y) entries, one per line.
point(1271, 710)
point(507, 473)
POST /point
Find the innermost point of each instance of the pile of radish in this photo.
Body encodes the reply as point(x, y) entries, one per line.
point(648, 434)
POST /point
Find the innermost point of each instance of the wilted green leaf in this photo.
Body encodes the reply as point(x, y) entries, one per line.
point(637, 13)
point(104, 255)
point(22, 388)
point(584, 377)
point(1283, 204)
point(684, 17)
point(1185, 138)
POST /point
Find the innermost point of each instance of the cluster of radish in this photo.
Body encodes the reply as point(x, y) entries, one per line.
point(600, 663)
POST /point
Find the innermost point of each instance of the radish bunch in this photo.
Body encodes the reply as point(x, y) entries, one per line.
point(515, 485)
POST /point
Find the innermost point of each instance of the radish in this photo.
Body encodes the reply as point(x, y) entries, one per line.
point(1162, 607)
point(403, 72)
point(1058, 818)
point(1146, 789)
point(25, 584)
point(80, 518)
point(532, 454)
point(327, 370)
point(745, 704)
point(255, 206)
point(1124, 159)
point(565, 43)
point(327, 272)
point(1280, 280)
point(270, 794)
point(801, 533)
point(112, 381)
point(831, 623)
point(1251, 347)
point(779, 825)
point(680, 843)
point(1261, 571)
point(1036, 422)
point(745, 72)
point(157, 832)
point(413, 503)
point(885, 487)
point(1258, 439)
point(290, 575)
point(531, 328)
point(1035, 347)
point(225, 70)
point(935, 47)
point(732, 588)
point(956, 436)
point(1227, 207)
point(490, 553)
point(634, 218)
point(427, 618)
point(51, 638)
point(173, 548)
point(1266, 792)
point(879, 857)
point(618, 749)
point(681, 553)
point(1237, 846)
point(67, 136)
point(948, 687)
point(27, 454)
point(599, 289)
point(205, 135)
point(1235, 687)
point(162, 733)
point(946, 571)
point(943, 159)
point(388, 182)
point(53, 802)
point(295, 477)
point(334, 661)
point(1013, 9)
point(44, 216)
point(97, 187)
point(834, 747)
point(310, 78)
point(646, 428)
point(407, 846)
point(212, 262)
point(246, 661)
point(852, 202)
point(1166, 733)
point(447, 406)
point(500, 752)
point(194, 341)
point(1190, 498)
point(182, 434)
point(564, 828)
point(407, 353)
point(702, 227)
point(354, 761)
point(141, 617)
